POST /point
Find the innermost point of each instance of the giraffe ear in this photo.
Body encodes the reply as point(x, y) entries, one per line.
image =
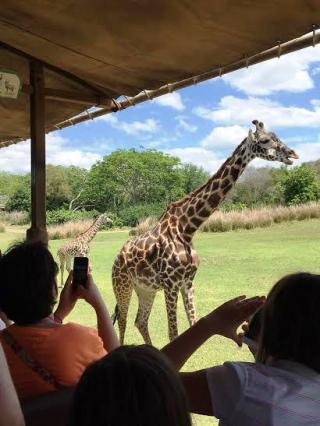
point(250, 136)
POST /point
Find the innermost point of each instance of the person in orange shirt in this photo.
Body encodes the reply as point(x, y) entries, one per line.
point(44, 354)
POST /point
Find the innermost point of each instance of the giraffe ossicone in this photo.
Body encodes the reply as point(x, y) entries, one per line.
point(79, 247)
point(164, 258)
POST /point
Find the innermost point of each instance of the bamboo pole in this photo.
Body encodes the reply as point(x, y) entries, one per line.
point(277, 51)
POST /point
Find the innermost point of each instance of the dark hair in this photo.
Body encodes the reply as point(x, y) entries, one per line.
point(291, 321)
point(28, 286)
point(133, 385)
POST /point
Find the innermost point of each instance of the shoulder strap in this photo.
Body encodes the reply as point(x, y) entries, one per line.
point(28, 360)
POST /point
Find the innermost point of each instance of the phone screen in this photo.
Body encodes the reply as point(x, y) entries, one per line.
point(80, 271)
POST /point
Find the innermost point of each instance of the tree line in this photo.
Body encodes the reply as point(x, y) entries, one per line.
point(131, 184)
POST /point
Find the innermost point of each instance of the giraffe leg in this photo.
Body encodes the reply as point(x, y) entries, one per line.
point(62, 261)
point(123, 290)
point(68, 263)
point(146, 299)
point(188, 301)
point(171, 299)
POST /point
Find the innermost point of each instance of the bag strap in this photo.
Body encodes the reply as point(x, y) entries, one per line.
point(28, 360)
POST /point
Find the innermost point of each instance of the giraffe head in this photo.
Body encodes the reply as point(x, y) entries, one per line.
point(267, 145)
point(105, 219)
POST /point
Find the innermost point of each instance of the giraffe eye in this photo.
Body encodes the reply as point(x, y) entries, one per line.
point(265, 140)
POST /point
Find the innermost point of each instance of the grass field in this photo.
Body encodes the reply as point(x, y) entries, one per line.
point(232, 263)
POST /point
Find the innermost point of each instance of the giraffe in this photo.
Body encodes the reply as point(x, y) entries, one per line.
point(80, 245)
point(164, 258)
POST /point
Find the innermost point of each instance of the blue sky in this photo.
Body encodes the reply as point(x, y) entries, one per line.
point(201, 124)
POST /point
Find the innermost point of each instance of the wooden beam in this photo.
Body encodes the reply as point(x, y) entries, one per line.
point(38, 231)
point(99, 91)
point(72, 97)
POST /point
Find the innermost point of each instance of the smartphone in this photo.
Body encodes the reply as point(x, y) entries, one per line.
point(252, 334)
point(80, 271)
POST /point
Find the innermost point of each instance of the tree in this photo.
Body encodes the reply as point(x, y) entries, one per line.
point(21, 199)
point(129, 177)
point(193, 177)
point(300, 185)
point(58, 189)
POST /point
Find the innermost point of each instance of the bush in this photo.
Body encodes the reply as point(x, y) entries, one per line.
point(15, 218)
point(57, 217)
point(132, 215)
point(254, 218)
point(143, 226)
point(68, 230)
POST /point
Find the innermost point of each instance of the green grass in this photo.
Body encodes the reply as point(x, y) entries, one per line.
point(232, 263)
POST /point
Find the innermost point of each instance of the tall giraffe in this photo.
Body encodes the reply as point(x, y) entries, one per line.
point(163, 258)
point(80, 245)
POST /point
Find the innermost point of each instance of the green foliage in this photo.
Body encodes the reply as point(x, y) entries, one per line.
point(9, 183)
point(193, 177)
point(299, 185)
point(129, 177)
point(58, 188)
point(130, 216)
point(56, 217)
point(20, 199)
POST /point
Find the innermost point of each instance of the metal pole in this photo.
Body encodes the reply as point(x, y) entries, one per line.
point(38, 230)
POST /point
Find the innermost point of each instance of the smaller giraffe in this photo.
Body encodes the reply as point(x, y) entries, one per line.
point(80, 245)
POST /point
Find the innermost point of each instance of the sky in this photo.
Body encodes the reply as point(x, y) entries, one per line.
point(201, 124)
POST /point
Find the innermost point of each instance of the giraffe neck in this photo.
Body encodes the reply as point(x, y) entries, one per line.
point(91, 232)
point(195, 208)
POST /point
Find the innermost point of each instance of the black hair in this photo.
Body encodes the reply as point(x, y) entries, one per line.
point(28, 286)
point(133, 385)
point(291, 321)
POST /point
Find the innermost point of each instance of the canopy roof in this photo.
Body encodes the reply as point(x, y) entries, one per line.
point(96, 50)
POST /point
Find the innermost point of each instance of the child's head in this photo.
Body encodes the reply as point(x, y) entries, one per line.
point(28, 288)
point(291, 321)
point(133, 385)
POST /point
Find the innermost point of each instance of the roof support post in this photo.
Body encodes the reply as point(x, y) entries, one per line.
point(38, 231)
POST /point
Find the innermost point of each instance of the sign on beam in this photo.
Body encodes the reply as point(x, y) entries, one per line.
point(9, 84)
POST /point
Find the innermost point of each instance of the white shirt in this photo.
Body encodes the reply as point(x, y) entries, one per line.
point(253, 394)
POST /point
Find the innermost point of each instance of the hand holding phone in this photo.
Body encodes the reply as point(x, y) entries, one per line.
point(80, 271)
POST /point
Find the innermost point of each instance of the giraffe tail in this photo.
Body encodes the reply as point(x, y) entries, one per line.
point(115, 315)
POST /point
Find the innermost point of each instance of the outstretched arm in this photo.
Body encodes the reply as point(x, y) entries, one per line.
point(224, 321)
point(10, 409)
point(91, 295)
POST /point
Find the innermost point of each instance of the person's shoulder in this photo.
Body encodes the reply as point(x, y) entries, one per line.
point(77, 330)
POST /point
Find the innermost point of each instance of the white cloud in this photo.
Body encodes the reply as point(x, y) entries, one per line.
point(288, 73)
point(16, 158)
point(224, 137)
point(238, 111)
point(308, 151)
point(131, 128)
point(184, 125)
point(172, 100)
point(201, 157)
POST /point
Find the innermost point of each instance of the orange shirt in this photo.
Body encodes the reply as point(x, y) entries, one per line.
point(64, 351)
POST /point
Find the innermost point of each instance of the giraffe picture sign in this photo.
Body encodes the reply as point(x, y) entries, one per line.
point(9, 84)
point(164, 258)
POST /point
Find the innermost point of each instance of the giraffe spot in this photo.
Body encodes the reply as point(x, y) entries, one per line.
point(190, 211)
point(183, 220)
point(239, 161)
point(225, 173)
point(235, 173)
point(173, 221)
point(204, 213)
point(227, 189)
point(199, 205)
point(190, 229)
point(164, 226)
point(214, 185)
point(225, 183)
point(196, 221)
point(214, 199)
